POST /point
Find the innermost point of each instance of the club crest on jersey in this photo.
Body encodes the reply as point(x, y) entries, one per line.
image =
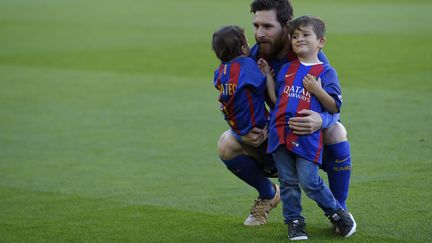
point(297, 92)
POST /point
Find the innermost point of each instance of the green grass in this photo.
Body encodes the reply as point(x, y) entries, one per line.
point(109, 122)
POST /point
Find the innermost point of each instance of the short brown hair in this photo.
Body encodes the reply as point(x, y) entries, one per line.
point(283, 8)
point(317, 24)
point(227, 42)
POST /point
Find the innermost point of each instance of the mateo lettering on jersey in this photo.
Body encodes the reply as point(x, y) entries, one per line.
point(227, 89)
point(297, 92)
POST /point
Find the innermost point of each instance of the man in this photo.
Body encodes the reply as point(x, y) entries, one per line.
point(240, 154)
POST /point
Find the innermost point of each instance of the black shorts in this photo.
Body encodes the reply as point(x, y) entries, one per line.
point(266, 161)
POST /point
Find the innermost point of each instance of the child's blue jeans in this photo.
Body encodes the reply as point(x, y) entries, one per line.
point(295, 171)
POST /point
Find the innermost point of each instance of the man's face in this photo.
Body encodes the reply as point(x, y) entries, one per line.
point(269, 34)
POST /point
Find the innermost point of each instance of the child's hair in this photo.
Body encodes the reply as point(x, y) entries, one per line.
point(317, 24)
point(227, 42)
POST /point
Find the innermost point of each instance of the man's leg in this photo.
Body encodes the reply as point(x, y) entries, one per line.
point(241, 160)
point(337, 161)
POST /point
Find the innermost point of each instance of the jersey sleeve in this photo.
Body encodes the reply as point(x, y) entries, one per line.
point(252, 76)
point(215, 78)
point(322, 57)
point(330, 83)
point(328, 119)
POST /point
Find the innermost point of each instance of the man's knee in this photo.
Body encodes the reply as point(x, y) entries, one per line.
point(335, 134)
point(228, 146)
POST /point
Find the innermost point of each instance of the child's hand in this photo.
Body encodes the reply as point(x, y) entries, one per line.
point(311, 84)
point(265, 67)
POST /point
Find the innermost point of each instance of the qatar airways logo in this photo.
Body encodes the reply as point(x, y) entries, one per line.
point(297, 92)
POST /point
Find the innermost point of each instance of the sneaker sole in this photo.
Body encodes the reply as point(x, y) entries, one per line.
point(253, 224)
point(299, 238)
point(275, 201)
point(353, 229)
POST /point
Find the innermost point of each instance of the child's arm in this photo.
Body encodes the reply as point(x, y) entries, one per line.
point(314, 86)
point(266, 70)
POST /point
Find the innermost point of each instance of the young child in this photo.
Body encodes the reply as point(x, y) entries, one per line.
point(242, 89)
point(298, 157)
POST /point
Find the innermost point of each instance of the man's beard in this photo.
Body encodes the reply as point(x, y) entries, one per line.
point(271, 49)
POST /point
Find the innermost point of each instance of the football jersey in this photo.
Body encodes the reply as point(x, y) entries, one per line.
point(242, 89)
point(293, 97)
point(276, 64)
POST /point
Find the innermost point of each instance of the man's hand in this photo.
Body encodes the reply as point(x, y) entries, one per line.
point(255, 137)
point(305, 124)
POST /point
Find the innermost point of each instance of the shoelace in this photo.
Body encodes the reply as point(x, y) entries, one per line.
point(258, 210)
point(296, 227)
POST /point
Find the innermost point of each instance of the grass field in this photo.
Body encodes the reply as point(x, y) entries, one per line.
point(109, 121)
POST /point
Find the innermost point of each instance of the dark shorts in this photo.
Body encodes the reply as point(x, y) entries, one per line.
point(266, 162)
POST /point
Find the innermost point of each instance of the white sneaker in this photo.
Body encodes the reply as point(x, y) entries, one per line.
point(261, 208)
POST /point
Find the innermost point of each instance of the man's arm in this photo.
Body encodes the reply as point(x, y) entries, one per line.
point(311, 121)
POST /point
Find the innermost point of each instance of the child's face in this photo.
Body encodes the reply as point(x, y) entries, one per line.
point(246, 48)
point(305, 42)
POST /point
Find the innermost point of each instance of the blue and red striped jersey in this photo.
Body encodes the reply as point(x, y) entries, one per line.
point(293, 97)
point(328, 119)
point(242, 89)
point(276, 64)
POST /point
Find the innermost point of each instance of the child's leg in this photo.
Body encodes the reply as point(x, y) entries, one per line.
point(314, 186)
point(289, 184)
